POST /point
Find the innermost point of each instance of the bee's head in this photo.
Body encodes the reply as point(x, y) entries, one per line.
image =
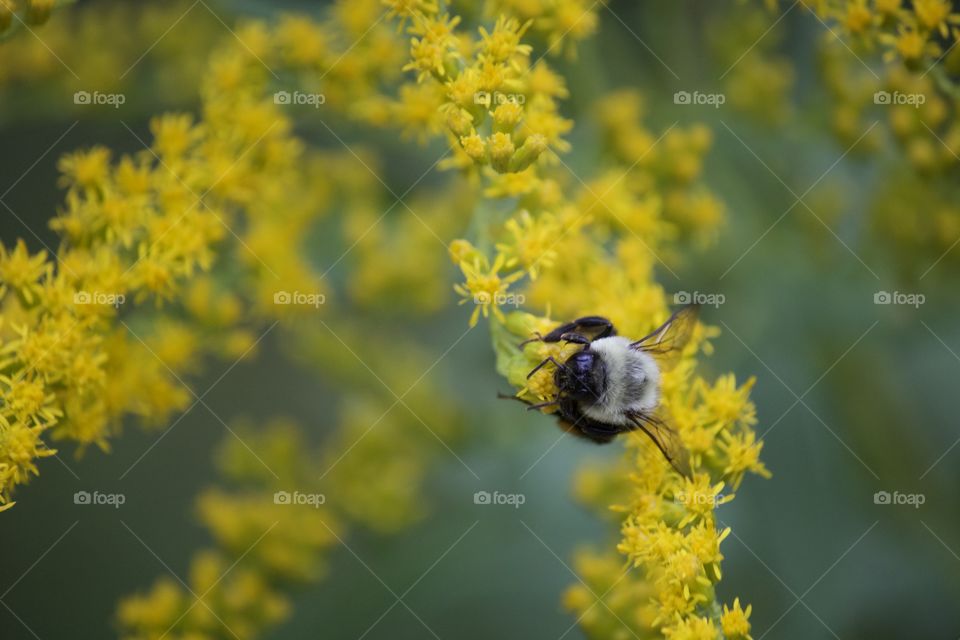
point(582, 376)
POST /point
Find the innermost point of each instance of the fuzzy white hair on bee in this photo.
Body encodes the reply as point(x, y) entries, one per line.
point(632, 382)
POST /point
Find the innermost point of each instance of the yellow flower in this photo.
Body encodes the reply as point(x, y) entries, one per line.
point(405, 9)
point(434, 46)
point(735, 622)
point(694, 628)
point(910, 44)
point(503, 43)
point(485, 288)
point(932, 14)
point(475, 147)
point(501, 151)
point(173, 135)
point(532, 243)
point(302, 41)
point(20, 270)
point(858, 16)
point(20, 447)
point(85, 169)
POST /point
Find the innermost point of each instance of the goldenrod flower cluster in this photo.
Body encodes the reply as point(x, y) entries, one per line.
point(138, 231)
point(594, 252)
point(499, 107)
point(181, 249)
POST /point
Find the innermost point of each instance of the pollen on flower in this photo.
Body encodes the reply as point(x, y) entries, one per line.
point(475, 147)
point(501, 150)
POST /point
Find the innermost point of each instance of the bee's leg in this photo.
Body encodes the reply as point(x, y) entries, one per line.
point(536, 338)
point(541, 405)
point(504, 396)
point(575, 337)
point(530, 406)
point(541, 365)
point(588, 323)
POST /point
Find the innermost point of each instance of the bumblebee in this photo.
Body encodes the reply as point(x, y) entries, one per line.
point(612, 384)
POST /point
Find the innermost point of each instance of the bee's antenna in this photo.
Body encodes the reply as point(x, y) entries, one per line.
point(540, 366)
point(542, 405)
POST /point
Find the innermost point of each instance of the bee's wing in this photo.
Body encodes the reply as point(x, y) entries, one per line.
point(666, 440)
point(668, 340)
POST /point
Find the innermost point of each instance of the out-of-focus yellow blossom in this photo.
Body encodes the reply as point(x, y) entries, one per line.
point(913, 97)
point(69, 57)
point(531, 242)
point(921, 32)
point(30, 12)
point(760, 81)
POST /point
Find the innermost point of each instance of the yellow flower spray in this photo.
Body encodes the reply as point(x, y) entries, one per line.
point(149, 233)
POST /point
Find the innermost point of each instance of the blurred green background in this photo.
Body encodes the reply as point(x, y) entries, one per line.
point(853, 398)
